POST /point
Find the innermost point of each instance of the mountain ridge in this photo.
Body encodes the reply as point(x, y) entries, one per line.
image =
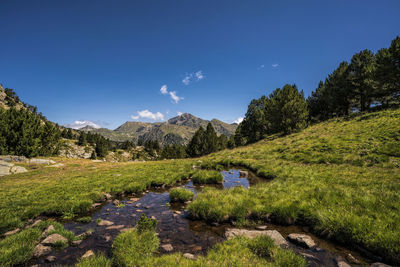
point(177, 130)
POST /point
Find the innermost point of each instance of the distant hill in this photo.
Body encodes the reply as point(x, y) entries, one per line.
point(177, 130)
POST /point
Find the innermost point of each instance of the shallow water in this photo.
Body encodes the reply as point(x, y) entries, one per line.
point(175, 228)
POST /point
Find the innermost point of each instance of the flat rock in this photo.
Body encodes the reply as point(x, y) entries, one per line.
point(48, 230)
point(51, 258)
point(41, 161)
point(53, 239)
point(127, 229)
point(302, 240)
point(12, 232)
point(41, 250)
point(273, 234)
point(108, 196)
point(189, 256)
point(167, 247)
point(95, 205)
point(17, 169)
point(115, 227)
point(261, 227)
point(58, 165)
point(88, 254)
point(76, 242)
point(105, 223)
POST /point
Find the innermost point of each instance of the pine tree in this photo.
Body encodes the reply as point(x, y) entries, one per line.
point(195, 147)
point(211, 140)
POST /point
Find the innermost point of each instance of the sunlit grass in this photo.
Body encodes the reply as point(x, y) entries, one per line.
point(341, 177)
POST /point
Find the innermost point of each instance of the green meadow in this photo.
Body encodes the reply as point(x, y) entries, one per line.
point(341, 177)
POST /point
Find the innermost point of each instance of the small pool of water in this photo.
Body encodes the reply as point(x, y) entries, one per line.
point(173, 225)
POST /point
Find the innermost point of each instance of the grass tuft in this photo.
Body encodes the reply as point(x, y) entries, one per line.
point(180, 195)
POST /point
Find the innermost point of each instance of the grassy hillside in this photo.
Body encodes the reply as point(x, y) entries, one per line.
point(342, 177)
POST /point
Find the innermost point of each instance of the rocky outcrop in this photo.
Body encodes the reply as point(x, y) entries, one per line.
point(302, 240)
point(273, 234)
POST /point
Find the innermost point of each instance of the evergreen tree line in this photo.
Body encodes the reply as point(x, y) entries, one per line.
point(23, 132)
point(368, 81)
point(205, 142)
point(101, 144)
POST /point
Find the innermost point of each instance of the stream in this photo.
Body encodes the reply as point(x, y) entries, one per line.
point(176, 229)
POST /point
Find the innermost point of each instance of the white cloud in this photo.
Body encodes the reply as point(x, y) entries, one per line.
point(179, 113)
point(275, 65)
point(238, 120)
point(199, 75)
point(80, 124)
point(174, 97)
point(261, 67)
point(146, 114)
point(164, 89)
point(186, 80)
point(193, 77)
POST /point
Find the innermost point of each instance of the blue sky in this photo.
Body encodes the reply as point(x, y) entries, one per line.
point(106, 61)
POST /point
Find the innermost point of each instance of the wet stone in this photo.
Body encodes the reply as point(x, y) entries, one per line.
point(41, 250)
point(115, 227)
point(51, 258)
point(53, 239)
point(167, 247)
point(88, 254)
point(302, 240)
point(105, 223)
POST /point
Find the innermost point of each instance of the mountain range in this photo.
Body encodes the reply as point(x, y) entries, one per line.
point(177, 130)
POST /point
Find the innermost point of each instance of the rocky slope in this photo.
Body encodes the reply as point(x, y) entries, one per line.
point(177, 130)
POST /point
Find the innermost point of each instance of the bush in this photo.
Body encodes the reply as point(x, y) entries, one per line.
point(180, 195)
point(207, 177)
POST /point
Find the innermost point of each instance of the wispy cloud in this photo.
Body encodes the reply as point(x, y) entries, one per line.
point(147, 114)
point(164, 89)
point(261, 67)
point(275, 65)
point(238, 120)
point(193, 77)
point(80, 124)
point(175, 98)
